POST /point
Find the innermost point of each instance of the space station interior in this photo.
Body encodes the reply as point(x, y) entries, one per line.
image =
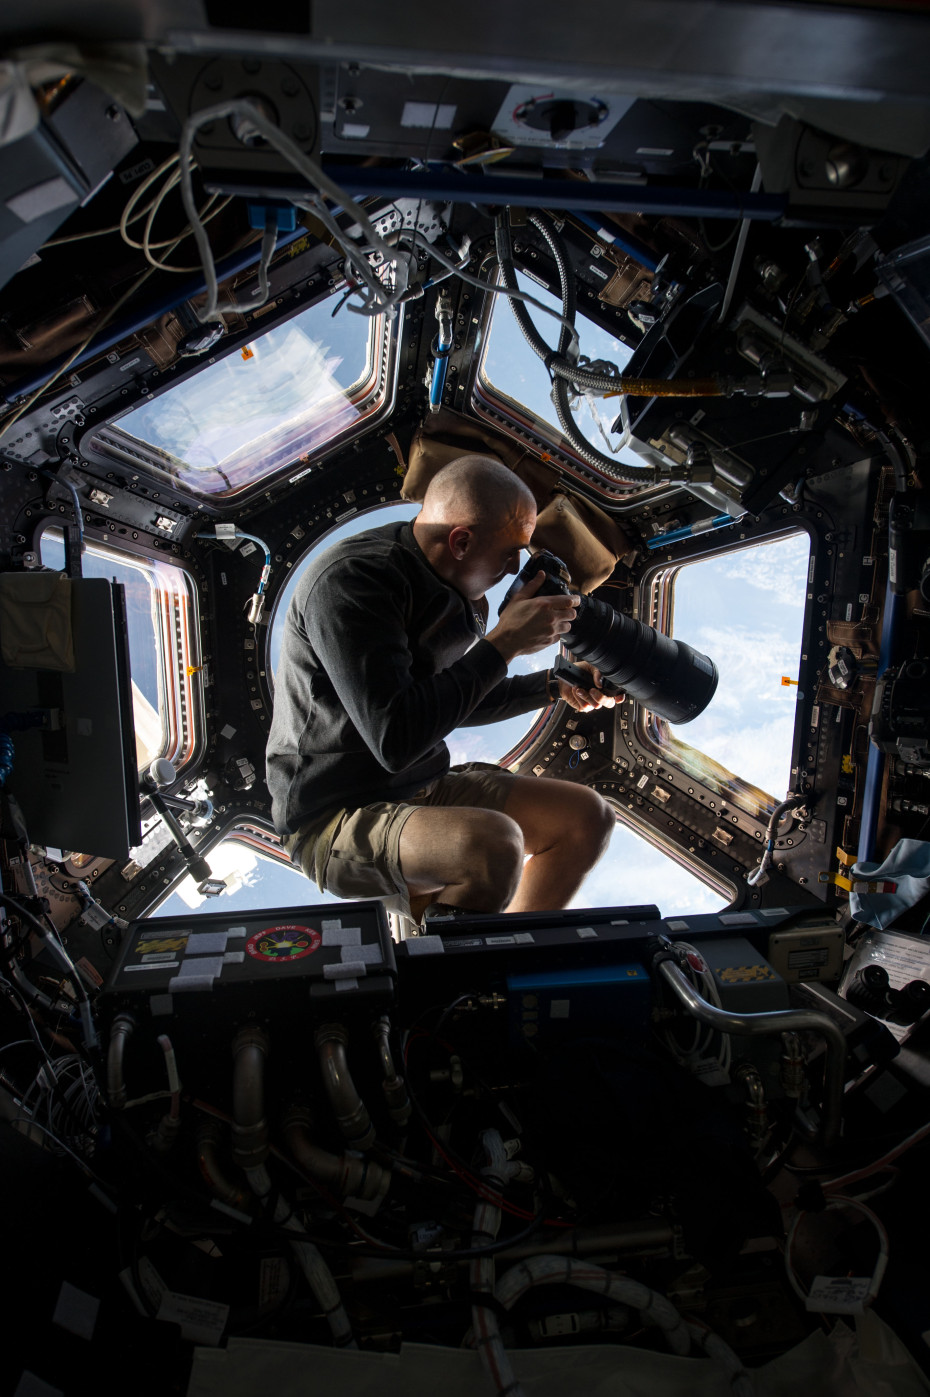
point(264, 273)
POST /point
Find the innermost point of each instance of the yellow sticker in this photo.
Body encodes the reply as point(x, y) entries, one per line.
point(741, 974)
point(167, 943)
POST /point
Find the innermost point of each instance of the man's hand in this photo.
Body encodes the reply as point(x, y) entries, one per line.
point(585, 700)
point(530, 623)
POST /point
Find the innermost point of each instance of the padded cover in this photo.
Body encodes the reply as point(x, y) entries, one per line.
point(585, 537)
point(35, 621)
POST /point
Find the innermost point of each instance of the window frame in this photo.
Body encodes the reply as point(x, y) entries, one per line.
point(175, 624)
point(373, 393)
point(507, 415)
point(657, 599)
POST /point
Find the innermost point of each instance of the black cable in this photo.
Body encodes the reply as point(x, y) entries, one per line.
point(563, 371)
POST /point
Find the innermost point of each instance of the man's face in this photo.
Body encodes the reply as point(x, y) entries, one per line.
point(489, 554)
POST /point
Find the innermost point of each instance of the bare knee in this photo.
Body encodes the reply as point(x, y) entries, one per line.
point(587, 825)
point(493, 860)
point(601, 821)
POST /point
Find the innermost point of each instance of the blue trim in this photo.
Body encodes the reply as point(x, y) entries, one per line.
point(702, 526)
point(455, 186)
point(142, 317)
point(625, 241)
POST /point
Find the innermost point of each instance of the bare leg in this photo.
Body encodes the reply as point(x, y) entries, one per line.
point(566, 829)
point(461, 855)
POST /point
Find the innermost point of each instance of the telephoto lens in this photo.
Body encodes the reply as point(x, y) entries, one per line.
point(667, 676)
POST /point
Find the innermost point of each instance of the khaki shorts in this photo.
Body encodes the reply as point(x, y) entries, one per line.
point(356, 853)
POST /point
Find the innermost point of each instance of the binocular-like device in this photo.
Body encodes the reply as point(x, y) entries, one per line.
point(667, 676)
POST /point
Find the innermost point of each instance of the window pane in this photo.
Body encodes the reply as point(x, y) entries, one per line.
point(634, 871)
point(262, 407)
point(253, 881)
point(161, 639)
point(515, 377)
point(748, 728)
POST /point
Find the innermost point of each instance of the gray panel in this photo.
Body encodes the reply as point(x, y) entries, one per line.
point(74, 780)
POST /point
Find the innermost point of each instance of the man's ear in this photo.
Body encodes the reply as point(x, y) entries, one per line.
point(459, 541)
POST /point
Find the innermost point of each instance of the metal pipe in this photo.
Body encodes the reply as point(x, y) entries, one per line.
point(875, 767)
point(393, 1086)
point(351, 1113)
point(350, 1176)
point(209, 1140)
point(740, 248)
point(776, 1021)
point(250, 1132)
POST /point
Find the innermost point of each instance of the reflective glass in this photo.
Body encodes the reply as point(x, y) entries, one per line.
point(263, 407)
point(518, 380)
point(158, 615)
point(748, 727)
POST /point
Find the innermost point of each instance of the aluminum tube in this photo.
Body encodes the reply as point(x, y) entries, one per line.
point(348, 1175)
point(382, 1032)
point(776, 1021)
point(250, 1132)
point(740, 248)
point(351, 1113)
point(209, 1143)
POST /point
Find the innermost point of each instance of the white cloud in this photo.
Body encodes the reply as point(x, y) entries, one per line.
point(779, 569)
point(751, 664)
point(633, 872)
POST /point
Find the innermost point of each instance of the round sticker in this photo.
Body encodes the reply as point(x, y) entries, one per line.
point(279, 943)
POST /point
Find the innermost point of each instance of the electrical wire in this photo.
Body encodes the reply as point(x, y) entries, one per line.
point(831, 1185)
point(58, 952)
point(835, 1205)
point(131, 215)
point(759, 875)
point(513, 293)
point(318, 181)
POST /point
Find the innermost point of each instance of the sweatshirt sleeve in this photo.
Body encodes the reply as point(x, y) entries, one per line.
point(357, 626)
point(523, 693)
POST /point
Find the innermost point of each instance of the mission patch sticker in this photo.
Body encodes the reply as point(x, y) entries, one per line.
point(280, 943)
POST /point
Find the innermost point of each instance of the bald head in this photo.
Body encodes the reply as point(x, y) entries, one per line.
point(474, 490)
point(476, 517)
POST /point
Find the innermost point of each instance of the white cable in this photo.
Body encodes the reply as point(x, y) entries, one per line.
point(704, 1036)
point(318, 182)
point(325, 1290)
point(836, 1205)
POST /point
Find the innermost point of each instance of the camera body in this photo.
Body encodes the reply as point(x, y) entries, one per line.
point(667, 676)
